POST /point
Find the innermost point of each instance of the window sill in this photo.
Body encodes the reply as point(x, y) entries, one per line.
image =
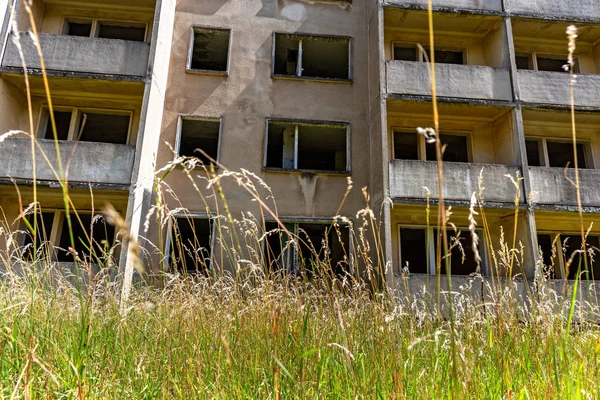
point(206, 72)
point(306, 171)
point(311, 79)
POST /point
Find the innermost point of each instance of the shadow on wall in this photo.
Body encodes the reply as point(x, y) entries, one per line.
point(204, 7)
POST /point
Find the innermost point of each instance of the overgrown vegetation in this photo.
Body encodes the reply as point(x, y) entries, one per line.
point(257, 330)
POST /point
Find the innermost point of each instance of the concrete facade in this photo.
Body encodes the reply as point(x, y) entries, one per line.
point(495, 94)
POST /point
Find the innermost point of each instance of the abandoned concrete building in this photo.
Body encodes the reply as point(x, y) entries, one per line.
point(306, 94)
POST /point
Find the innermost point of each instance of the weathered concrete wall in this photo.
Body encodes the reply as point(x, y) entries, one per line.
point(552, 187)
point(87, 161)
point(553, 88)
point(461, 81)
point(483, 5)
point(81, 54)
point(574, 8)
point(407, 179)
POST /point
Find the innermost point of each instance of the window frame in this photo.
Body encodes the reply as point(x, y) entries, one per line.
point(96, 22)
point(560, 274)
point(429, 231)
point(166, 264)
point(296, 222)
point(188, 66)
point(421, 54)
point(422, 143)
point(297, 123)
point(340, 38)
point(543, 150)
point(76, 115)
point(533, 60)
point(195, 117)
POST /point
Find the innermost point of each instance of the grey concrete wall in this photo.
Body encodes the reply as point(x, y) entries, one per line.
point(407, 179)
point(552, 187)
point(553, 88)
point(82, 54)
point(462, 81)
point(485, 5)
point(87, 161)
point(588, 9)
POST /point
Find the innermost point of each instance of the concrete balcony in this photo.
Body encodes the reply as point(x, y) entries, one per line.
point(87, 162)
point(587, 9)
point(477, 5)
point(460, 81)
point(544, 87)
point(552, 187)
point(84, 55)
point(407, 179)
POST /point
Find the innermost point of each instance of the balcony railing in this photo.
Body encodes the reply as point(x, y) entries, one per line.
point(408, 179)
point(85, 162)
point(574, 8)
point(552, 187)
point(545, 87)
point(460, 81)
point(479, 5)
point(82, 55)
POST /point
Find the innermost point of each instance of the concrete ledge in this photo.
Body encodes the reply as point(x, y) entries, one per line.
point(407, 179)
point(462, 81)
point(87, 161)
point(82, 54)
point(585, 9)
point(544, 87)
point(552, 187)
point(478, 5)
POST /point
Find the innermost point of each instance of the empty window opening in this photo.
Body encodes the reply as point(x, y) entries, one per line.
point(104, 128)
point(572, 253)
point(320, 249)
point(62, 120)
point(122, 31)
point(199, 134)
point(406, 145)
point(42, 223)
point(457, 149)
point(534, 158)
point(406, 52)
point(462, 258)
point(312, 56)
point(93, 239)
point(210, 50)
point(524, 61)
point(554, 64)
point(191, 245)
point(544, 62)
point(545, 244)
point(446, 56)
point(318, 147)
point(413, 250)
point(561, 153)
point(78, 28)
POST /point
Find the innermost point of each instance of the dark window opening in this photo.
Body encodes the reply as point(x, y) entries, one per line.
point(191, 245)
point(63, 123)
point(457, 149)
point(551, 64)
point(458, 266)
point(42, 223)
point(413, 250)
point(524, 62)
point(104, 128)
point(533, 153)
point(101, 234)
point(280, 252)
point(572, 245)
point(321, 250)
point(406, 145)
point(312, 57)
point(123, 32)
point(199, 134)
point(561, 153)
point(317, 147)
point(79, 29)
point(446, 56)
point(405, 53)
point(545, 247)
point(210, 50)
